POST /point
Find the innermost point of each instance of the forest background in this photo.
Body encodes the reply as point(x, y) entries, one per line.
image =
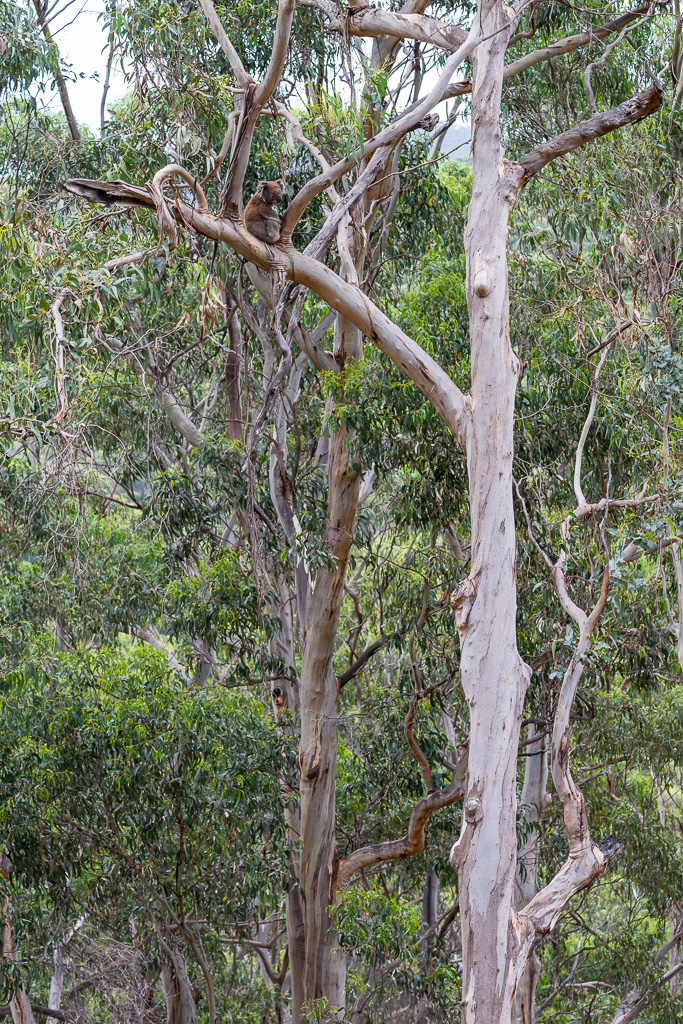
point(236, 538)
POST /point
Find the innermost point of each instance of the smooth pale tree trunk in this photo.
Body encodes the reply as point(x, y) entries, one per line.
point(535, 800)
point(180, 1005)
point(325, 965)
point(494, 677)
point(54, 998)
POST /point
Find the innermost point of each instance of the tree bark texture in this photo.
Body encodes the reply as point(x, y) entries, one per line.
point(493, 676)
point(325, 973)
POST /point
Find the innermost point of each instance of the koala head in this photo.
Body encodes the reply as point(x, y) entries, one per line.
point(271, 191)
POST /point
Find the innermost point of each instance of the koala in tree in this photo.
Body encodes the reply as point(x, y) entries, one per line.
point(261, 219)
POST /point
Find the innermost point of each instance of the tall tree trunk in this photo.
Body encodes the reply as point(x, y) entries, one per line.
point(325, 970)
point(494, 677)
point(41, 18)
point(181, 1007)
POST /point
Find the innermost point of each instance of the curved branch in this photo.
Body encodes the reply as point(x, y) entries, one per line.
point(283, 28)
point(586, 859)
point(418, 753)
point(371, 21)
point(414, 840)
point(175, 169)
point(595, 376)
point(451, 404)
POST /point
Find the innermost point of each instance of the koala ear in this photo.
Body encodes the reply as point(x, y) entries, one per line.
point(261, 186)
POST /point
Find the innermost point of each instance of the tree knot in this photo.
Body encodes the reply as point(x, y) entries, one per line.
point(462, 600)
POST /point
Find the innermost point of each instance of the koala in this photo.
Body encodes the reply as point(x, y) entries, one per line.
point(261, 219)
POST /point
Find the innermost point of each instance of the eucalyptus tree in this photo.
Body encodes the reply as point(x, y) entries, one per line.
point(497, 937)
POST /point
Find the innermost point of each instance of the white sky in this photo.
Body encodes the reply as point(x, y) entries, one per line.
point(82, 40)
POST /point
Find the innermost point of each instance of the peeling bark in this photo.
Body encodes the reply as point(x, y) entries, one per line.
point(494, 677)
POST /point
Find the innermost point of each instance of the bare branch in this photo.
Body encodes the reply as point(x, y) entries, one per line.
point(414, 840)
point(215, 24)
point(418, 754)
point(42, 1011)
point(59, 355)
point(587, 510)
point(371, 21)
point(362, 660)
point(586, 859)
point(629, 112)
point(595, 376)
point(285, 16)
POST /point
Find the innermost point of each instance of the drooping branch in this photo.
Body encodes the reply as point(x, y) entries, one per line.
point(414, 840)
point(448, 400)
point(629, 112)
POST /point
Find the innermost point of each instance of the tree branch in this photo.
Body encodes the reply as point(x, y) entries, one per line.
point(629, 112)
point(371, 21)
point(42, 1011)
point(414, 840)
point(446, 397)
point(586, 859)
point(358, 664)
point(557, 49)
point(242, 77)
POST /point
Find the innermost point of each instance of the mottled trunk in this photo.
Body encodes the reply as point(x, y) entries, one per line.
point(181, 1007)
point(325, 969)
point(494, 678)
